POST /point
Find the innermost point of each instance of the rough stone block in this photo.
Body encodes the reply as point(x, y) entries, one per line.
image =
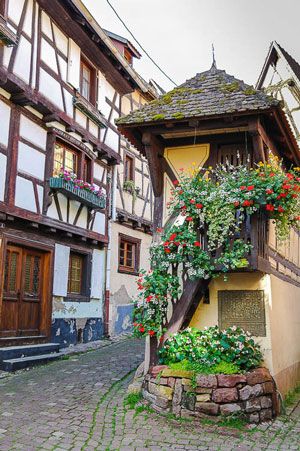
point(265, 402)
point(230, 380)
point(203, 390)
point(209, 408)
point(159, 381)
point(157, 369)
point(265, 415)
point(148, 396)
point(171, 381)
point(159, 409)
point(178, 373)
point(207, 380)
point(188, 401)
point(203, 398)
point(161, 390)
point(253, 418)
point(186, 381)
point(248, 392)
point(229, 409)
point(162, 402)
point(268, 387)
point(225, 395)
point(258, 376)
point(134, 388)
point(177, 393)
point(176, 410)
point(189, 415)
point(253, 405)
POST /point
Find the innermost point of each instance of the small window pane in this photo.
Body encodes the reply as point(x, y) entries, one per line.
point(58, 160)
point(75, 274)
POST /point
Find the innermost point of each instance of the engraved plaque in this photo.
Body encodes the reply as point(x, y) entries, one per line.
point(243, 308)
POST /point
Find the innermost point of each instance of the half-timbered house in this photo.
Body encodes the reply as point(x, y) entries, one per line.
point(61, 84)
point(207, 120)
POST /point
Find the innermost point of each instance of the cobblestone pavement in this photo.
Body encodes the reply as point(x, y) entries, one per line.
point(78, 404)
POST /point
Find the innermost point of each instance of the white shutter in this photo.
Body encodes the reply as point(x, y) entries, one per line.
point(98, 272)
point(74, 64)
point(61, 270)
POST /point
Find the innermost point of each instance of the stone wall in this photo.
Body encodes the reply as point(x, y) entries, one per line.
point(211, 396)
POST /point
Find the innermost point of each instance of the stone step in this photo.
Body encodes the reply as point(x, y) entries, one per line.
point(12, 365)
point(15, 352)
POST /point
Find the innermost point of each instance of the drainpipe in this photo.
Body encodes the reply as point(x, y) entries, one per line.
point(112, 218)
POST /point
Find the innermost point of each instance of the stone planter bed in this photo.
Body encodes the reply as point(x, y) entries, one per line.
point(252, 394)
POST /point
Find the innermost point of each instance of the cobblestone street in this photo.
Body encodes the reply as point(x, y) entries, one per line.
point(78, 404)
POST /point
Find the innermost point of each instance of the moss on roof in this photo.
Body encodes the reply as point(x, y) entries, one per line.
point(207, 94)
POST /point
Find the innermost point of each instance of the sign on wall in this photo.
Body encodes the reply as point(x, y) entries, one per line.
point(243, 308)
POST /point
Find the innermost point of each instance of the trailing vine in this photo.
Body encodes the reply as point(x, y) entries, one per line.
point(205, 240)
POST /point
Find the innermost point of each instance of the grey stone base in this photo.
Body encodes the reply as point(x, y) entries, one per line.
point(70, 331)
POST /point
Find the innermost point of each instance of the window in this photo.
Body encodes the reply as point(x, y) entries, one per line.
point(73, 161)
point(129, 254)
point(64, 158)
point(79, 279)
point(75, 274)
point(128, 56)
point(128, 169)
point(88, 81)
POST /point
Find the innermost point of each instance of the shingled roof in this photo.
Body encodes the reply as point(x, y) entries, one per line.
point(209, 93)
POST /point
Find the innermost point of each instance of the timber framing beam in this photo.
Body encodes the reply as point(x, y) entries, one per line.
point(154, 153)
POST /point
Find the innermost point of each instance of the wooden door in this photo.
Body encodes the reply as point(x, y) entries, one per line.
point(21, 305)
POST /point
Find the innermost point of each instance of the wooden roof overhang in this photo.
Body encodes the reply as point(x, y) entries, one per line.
point(269, 127)
point(117, 72)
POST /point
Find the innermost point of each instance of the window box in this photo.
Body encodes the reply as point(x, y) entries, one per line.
point(79, 194)
point(7, 36)
point(89, 110)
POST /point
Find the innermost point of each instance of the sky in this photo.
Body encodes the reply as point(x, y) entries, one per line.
point(178, 34)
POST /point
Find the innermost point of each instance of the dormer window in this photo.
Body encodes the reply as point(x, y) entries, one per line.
point(87, 81)
point(128, 56)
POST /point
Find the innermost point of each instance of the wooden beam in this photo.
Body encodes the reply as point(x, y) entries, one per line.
point(154, 149)
point(258, 145)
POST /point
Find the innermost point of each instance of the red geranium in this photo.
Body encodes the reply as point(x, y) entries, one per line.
point(270, 207)
point(189, 218)
point(250, 188)
point(242, 188)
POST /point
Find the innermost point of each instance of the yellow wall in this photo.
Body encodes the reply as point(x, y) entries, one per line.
point(182, 157)
point(285, 326)
point(207, 314)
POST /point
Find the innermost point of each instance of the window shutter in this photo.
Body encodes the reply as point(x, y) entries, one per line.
point(98, 273)
point(61, 270)
point(74, 64)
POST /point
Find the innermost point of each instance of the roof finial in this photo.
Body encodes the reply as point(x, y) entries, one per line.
point(214, 64)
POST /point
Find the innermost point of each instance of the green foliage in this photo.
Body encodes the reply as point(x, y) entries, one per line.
point(213, 204)
point(250, 91)
point(194, 382)
point(290, 397)
point(211, 351)
point(132, 399)
point(178, 115)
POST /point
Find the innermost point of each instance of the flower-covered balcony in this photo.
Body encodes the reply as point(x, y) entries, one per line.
point(68, 184)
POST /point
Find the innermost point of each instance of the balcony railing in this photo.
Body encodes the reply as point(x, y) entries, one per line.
point(68, 189)
point(7, 36)
point(89, 110)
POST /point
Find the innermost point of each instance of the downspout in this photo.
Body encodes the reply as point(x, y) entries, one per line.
point(112, 218)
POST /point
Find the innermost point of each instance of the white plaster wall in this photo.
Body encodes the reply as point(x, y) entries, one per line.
point(33, 132)
point(62, 309)
point(5, 119)
point(99, 223)
point(28, 18)
point(25, 195)
point(22, 61)
point(31, 161)
point(74, 206)
point(63, 66)
point(112, 140)
point(50, 88)
point(48, 55)
point(40, 191)
point(69, 103)
point(93, 129)
point(80, 118)
point(63, 202)
point(52, 211)
point(46, 25)
point(15, 8)
point(6, 55)
point(98, 171)
point(82, 220)
point(61, 40)
point(3, 160)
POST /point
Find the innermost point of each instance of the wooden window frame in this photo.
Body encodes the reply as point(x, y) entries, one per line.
point(86, 272)
point(93, 80)
point(82, 159)
point(128, 155)
point(137, 242)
